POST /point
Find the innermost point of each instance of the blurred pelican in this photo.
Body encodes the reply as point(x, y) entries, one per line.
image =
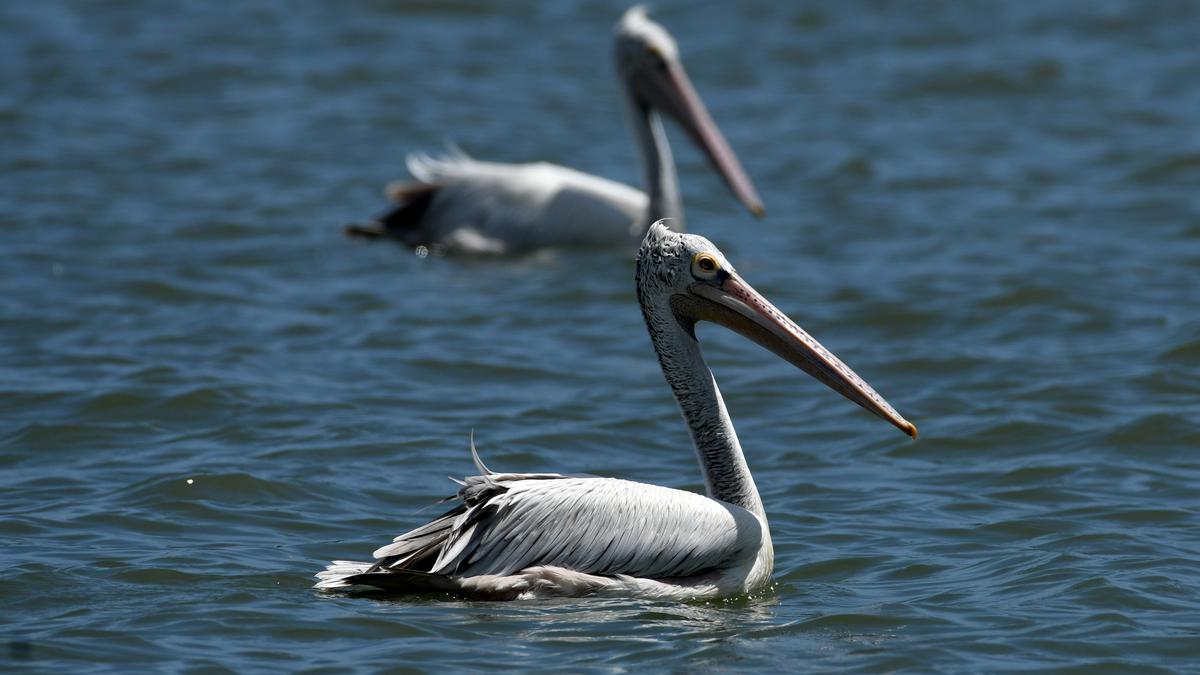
point(460, 204)
point(534, 535)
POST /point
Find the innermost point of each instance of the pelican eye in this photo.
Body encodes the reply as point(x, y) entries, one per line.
point(705, 266)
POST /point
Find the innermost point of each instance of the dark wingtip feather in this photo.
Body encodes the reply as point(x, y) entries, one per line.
point(369, 229)
point(403, 220)
point(405, 581)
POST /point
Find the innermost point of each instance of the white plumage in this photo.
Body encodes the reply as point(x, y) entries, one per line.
point(534, 535)
point(459, 204)
point(487, 207)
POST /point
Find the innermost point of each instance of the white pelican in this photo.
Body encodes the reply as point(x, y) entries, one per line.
point(461, 204)
point(534, 535)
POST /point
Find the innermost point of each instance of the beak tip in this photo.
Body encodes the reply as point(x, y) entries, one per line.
point(758, 210)
point(911, 430)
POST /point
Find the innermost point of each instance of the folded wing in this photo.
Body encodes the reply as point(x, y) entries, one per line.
point(603, 526)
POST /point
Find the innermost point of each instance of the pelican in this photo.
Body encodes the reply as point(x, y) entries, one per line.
point(534, 535)
point(460, 204)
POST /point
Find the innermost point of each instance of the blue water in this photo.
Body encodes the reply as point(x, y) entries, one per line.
point(989, 210)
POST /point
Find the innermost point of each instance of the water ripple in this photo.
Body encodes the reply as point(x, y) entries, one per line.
point(988, 210)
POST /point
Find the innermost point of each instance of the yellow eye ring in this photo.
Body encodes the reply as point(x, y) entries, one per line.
point(705, 265)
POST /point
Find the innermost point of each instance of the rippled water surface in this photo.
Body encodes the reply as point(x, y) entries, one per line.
point(990, 210)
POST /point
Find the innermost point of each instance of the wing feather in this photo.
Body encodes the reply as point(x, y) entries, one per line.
point(599, 526)
point(509, 522)
point(515, 207)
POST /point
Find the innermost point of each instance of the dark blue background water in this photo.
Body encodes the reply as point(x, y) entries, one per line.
point(990, 210)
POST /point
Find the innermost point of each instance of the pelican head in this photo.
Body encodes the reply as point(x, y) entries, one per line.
point(648, 62)
point(684, 278)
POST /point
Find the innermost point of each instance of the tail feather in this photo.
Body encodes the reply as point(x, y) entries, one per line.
point(335, 575)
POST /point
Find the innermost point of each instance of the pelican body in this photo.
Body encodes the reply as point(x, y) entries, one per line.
point(461, 204)
point(533, 535)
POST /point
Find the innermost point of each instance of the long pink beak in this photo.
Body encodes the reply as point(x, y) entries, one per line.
point(668, 89)
point(737, 306)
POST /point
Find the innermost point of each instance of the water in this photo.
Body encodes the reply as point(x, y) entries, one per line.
point(991, 211)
